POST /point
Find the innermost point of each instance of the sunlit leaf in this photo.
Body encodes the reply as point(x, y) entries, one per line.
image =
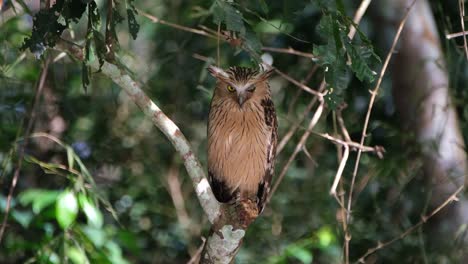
point(275, 26)
point(115, 253)
point(76, 255)
point(66, 209)
point(300, 253)
point(92, 213)
point(96, 235)
point(325, 236)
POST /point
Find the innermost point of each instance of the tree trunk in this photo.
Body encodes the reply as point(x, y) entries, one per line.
point(422, 99)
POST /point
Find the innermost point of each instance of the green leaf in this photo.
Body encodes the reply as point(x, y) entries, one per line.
point(115, 253)
point(76, 255)
point(70, 157)
point(117, 18)
point(219, 15)
point(252, 43)
point(339, 56)
point(92, 213)
point(94, 16)
point(96, 235)
point(51, 168)
point(326, 237)
point(302, 254)
point(225, 12)
point(73, 10)
point(66, 209)
point(326, 55)
point(133, 25)
point(23, 218)
point(39, 198)
point(234, 20)
point(50, 23)
point(275, 26)
point(263, 6)
point(361, 57)
point(332, 99)
point(85, 76)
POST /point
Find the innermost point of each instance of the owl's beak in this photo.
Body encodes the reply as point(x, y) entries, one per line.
point(241, 98)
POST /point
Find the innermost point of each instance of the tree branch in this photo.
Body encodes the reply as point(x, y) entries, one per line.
point(171, 131)
point(228, 228)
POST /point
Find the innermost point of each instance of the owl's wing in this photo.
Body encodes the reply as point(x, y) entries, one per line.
point(272, 123)
point(220, 190)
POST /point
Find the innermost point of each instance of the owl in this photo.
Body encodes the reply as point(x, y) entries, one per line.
point(242, 136)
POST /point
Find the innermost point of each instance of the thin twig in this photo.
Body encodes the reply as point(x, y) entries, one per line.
point(371, 104)
point(298, 93)
point(358, 16)
point(342, 125)
point(461, 5)
point(300, 144)
point(340, 170)
point(340, 197)
point(202, 58)
point(456, 35)
point(423, 220)
point(222, 37)
point(109, 31)
point(307, 153)
point(175, 192)
point(297, 83)
point(285, 139)
point(196, 257)
point(290, 51)
point(378, 150)
point(364, 131)
point(22, 149)
point(177, 26)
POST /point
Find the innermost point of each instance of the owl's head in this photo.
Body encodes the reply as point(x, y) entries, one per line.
point(240, 84)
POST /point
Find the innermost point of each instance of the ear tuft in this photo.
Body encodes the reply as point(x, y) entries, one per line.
point(217, 72)
point(266, 74)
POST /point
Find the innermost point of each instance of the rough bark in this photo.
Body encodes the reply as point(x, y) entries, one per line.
point(422, 99)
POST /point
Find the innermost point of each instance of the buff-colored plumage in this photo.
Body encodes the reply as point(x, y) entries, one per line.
point(242, 136)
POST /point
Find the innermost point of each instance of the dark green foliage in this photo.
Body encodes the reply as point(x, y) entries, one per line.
point(125, 162)
point(224, 12)
point(227, 14)
point(339, 54)
point(50, 23)
point(133, 26)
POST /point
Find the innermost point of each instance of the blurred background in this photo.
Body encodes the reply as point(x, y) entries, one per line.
point(99, 183)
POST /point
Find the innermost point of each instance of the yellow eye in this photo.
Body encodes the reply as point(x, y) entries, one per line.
point(230, 88)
